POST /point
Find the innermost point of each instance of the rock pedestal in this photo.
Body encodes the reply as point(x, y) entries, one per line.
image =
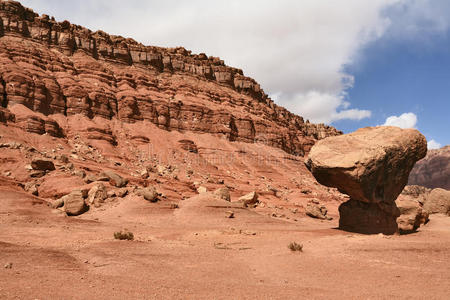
point(372, 166)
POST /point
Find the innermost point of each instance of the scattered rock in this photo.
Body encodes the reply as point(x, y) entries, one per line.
point(74, 203)
point(57, 203)
point(202, 190)
point(144, 174)
point(306, 191)
point(251, 199)
point(229, 214)
point(37, 174)
point(42, 165)
point(115, 179)
point(121, 192)
point(8, 265)
point(81, 174)
point(419, 193)
point(315, 210)
point(97, 195)
point(90, 178)
point(31, 188)
point(412, 215)
point(149, 194)
point(371, 165)
point(223, 193)
point(64, 159)
point(438, 202)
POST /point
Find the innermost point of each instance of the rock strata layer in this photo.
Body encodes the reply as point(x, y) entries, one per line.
point(60, 68)
point(433, 171)
point(372, 166)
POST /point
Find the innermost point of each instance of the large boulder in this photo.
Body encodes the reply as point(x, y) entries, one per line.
point(315, 209)
point(223, 193)
point(149, 194)
point(250, 199)
point(114, 179)
point(74, 204)
point(42, 164)
point(372, 166)
point(438, 202)
point(412, 214)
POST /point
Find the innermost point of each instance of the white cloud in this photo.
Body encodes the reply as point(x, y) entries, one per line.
point(295, 49)
point(405, 120)
point(416, 18)
point(433, 145)
point(323, 107)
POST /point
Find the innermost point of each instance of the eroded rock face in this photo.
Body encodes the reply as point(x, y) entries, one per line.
point(433, 171)
point(438, 201)
point(6, 116)
point(60, 68)
point(371, 165)
point(412, 214)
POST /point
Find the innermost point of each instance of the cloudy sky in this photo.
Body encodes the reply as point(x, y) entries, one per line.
point(348, 63)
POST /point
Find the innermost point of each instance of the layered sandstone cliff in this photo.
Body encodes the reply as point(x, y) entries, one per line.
point(61, 68)
point(434, 170)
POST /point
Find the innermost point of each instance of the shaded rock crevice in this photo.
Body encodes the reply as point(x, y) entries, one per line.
point(3, 94)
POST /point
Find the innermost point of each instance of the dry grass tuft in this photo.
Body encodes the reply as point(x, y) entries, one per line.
point(295, 247)
point(124, 235)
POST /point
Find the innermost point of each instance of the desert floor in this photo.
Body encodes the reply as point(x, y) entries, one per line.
point(194, 252)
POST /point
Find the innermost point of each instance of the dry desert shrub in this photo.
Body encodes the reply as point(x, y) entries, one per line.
point(124, 235)
point(293, 246)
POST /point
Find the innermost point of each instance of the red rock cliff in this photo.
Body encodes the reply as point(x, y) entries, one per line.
point(60, 68)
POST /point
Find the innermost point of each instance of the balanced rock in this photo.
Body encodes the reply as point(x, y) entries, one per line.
point(438, 202)
point(372, 166)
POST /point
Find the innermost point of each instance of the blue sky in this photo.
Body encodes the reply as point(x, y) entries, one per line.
point(348, 63)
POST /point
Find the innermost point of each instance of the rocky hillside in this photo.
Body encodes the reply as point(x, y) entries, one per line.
point(434, 170)
point(60, 68)
point(77, 105)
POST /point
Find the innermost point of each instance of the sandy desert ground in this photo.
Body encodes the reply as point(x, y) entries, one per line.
point(194, 252)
